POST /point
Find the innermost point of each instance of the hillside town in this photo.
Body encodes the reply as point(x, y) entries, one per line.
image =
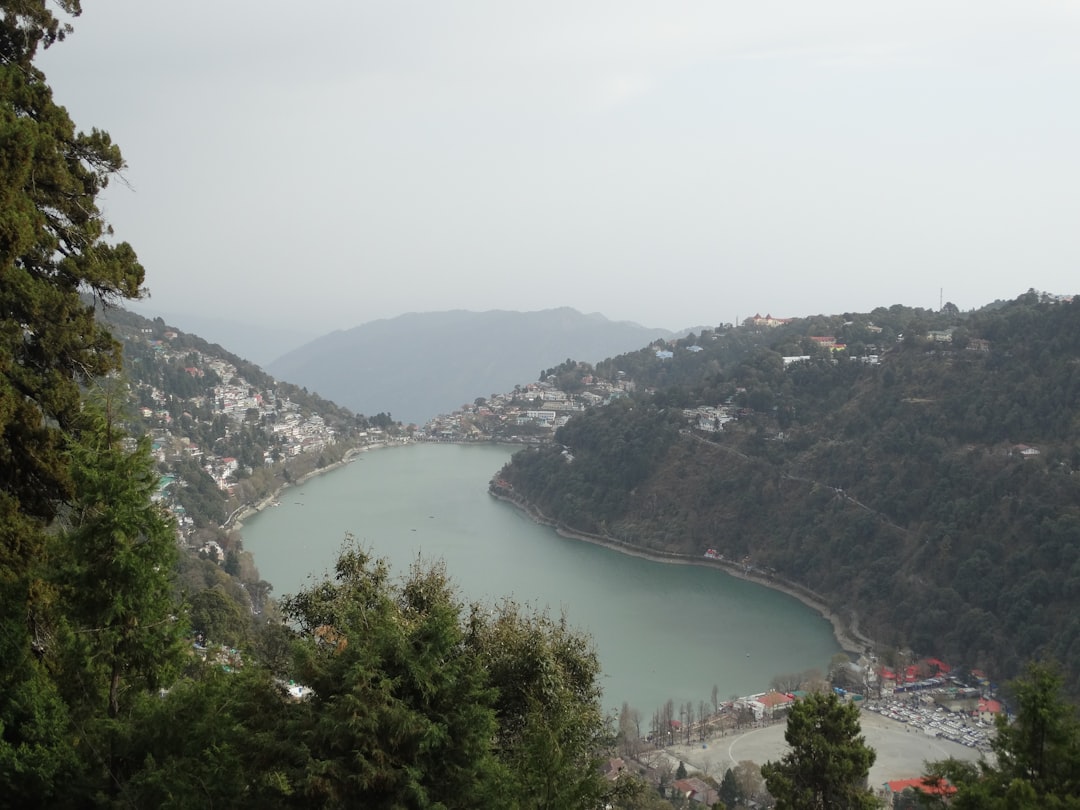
point(531, 413)
point(207, 422)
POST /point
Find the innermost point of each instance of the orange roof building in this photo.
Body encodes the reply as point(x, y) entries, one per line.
point(929, 787)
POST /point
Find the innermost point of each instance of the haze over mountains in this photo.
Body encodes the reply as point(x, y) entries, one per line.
point(418, 365)
point(259, 344)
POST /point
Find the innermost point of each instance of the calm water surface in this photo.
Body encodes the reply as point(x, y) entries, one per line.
point(662, 631)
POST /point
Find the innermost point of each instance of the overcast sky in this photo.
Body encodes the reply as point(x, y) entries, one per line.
point(671, 163)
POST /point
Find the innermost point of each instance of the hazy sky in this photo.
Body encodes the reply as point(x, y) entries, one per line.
point(672, 163)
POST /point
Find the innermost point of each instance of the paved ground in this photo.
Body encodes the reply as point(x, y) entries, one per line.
point(900, 753)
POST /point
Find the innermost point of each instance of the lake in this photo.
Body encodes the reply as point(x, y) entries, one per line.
point(662, 631)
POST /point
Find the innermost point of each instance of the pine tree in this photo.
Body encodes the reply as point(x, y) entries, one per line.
point(1036, 757)
point(111, 562)
point(53, 251)
point(402, 714)
point(729, 789)
point(828, 762)
point(551, 727)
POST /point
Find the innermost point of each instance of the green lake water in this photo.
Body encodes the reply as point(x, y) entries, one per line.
point(662, 631)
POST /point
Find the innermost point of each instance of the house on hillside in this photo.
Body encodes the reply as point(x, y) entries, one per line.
point(768, 321)
point(988, 710)
point(693, 789)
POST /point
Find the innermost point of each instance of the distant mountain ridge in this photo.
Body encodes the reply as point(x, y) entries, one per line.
point(418, 365)
point(254, 343)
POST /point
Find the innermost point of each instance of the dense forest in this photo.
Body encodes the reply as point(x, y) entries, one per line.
point(918, 470)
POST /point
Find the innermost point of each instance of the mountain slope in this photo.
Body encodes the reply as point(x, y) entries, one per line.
point(421, 364)
point(933, 495)
point(256, 344)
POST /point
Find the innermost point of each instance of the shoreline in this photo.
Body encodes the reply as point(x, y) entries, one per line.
point(849, 638)
point(235, 522)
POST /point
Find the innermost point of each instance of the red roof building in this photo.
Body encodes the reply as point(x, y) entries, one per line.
point(936, 663)
point(771, 703)
point(924, 785)
point(988, 709)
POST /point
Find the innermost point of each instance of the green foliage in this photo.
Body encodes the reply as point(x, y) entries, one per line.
point(614, 449)
point(634, 793)
point(401, 714)
point(37, 760)
point(110, 630)
point(551, 728)
point(418, 702)
point(73, 513)
point(1036, 758)
point(894, 491)
point(201, 498)
point(219, 618)
point(215, 740)
point(568, 375)
point(828, 761)
point(729, 789)
point(51, 248)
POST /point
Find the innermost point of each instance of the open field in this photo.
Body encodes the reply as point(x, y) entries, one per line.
point(900, 752)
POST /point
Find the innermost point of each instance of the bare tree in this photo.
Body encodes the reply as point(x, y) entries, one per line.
point(667, 714)
point(749, 779)
point(703, 714)
point(788, 682)
point(628, 731)
point(715, 699)
point(814, 681)
point(744, 715)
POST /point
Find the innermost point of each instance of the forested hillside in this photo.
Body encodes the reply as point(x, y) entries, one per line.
point(917, 470)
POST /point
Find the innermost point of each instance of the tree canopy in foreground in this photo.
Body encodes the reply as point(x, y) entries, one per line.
point(417, 701)
point(85, 616)
point(829, 760)
point(1036, 761)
